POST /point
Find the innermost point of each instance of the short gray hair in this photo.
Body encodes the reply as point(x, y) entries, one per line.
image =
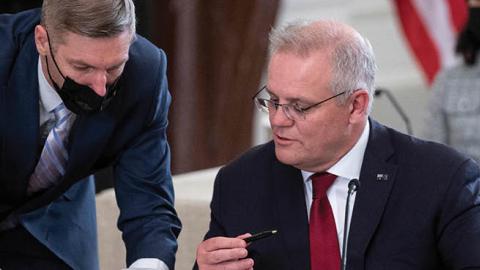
point(90, 18)
point(351, 55)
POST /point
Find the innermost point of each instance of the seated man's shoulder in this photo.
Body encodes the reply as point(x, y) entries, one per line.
point(257, 153)
point(415, 150)
point(257, 157)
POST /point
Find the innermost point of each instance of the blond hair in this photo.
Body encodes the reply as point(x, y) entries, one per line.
point(91, 18)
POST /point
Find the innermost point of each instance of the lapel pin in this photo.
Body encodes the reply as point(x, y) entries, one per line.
point(382, 177)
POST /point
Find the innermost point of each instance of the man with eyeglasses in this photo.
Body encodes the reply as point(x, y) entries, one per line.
point(81, 91)
point(418, 205)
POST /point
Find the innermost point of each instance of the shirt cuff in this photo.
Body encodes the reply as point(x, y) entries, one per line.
point(148, 264)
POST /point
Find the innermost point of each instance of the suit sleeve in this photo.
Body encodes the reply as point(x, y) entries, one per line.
point(144, 189)
point(459, 230)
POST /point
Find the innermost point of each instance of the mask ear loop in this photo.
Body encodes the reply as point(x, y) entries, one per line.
point(49, 75)
point(63, 94)
point(53, 57)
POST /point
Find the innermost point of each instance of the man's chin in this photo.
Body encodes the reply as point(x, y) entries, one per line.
point(286, 156)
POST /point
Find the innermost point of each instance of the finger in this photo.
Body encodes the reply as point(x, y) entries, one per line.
point(225, 255)
point(216, 243)
point(243, 236)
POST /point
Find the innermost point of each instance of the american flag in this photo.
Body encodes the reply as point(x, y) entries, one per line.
point(431, 28)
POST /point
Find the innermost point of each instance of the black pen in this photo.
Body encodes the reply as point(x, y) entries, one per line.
point(260, 235)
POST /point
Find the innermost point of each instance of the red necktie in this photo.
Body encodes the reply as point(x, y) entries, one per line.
point(324, 248)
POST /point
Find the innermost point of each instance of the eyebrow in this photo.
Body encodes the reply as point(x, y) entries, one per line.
point(290, 100)
point(82, 63)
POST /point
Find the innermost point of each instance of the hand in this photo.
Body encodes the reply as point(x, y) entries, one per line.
point(224, 253)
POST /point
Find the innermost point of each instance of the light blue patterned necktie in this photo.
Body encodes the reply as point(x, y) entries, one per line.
point(53, 159)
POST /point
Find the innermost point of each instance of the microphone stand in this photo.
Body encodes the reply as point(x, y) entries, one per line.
point(379, 92)
point(353, 186)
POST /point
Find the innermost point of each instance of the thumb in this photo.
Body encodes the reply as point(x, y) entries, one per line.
point(243, 236)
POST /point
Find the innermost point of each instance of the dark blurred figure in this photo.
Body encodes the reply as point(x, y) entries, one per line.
point(454, 109)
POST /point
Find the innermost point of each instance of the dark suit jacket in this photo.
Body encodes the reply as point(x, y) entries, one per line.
point(426, 215)
point(129, 135)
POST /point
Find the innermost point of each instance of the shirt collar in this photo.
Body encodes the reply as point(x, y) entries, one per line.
point(349, 165)
point(49, 98)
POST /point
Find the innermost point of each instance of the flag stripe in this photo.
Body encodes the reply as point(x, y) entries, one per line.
point(418, 37)
point(437, 21)
point(458, 13)
point(431, 28)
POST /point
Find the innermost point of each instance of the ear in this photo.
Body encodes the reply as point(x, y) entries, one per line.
point(41, 40)
point(359, 105)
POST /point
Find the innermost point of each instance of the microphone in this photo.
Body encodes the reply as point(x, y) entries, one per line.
point(353, 186)
point(381, 91)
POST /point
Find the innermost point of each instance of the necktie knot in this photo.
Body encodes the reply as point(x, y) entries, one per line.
point(320, 183)
point(60, 112)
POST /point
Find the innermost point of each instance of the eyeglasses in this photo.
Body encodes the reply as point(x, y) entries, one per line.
point(293, 111)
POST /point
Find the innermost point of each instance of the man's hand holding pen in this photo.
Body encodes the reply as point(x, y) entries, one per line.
point(228, 253)
point(224, 253)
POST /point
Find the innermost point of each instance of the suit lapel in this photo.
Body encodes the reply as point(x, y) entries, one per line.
point(292, 223)
point(377, 177)
point(22, 118)
point(88, 137)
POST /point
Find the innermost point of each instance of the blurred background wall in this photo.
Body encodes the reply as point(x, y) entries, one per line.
point(217, 54)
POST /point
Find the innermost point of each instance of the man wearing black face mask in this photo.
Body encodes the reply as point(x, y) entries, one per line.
point(79, 91)
point(454, 108)
point(78, 98)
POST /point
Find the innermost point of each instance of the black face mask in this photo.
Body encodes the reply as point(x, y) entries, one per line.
point(473, 23)
point(78, 98)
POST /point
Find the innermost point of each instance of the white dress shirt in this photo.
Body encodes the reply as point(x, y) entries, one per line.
point(346, 169)
point(49, 99)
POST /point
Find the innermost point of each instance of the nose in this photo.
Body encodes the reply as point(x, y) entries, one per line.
point(278, 118)
point(99, 83)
